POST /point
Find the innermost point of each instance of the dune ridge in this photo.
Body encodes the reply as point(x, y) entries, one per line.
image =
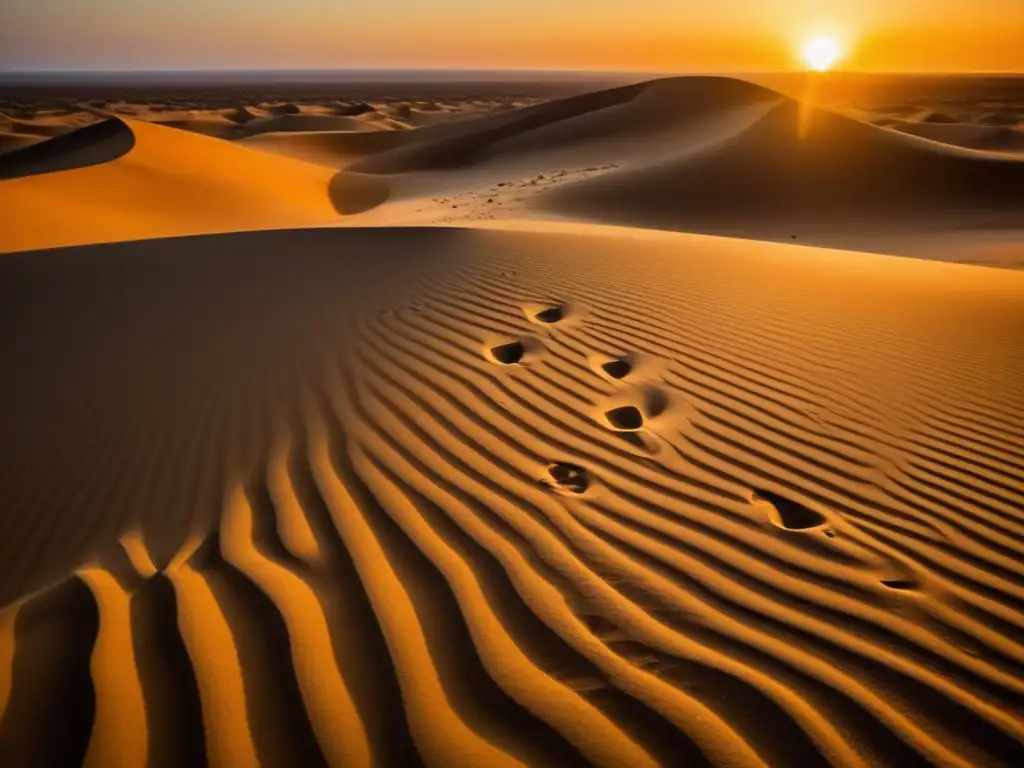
point(707, 154)
point(95, 144)
point(112, 181)
point(822, 166)
point(242, 447)
point(601, 117)
point(711, 155)
point(330, 148)
point(990, 137)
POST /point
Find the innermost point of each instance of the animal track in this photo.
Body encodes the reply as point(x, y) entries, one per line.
point(788, 514)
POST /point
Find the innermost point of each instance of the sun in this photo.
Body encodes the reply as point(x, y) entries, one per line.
point(821, 53)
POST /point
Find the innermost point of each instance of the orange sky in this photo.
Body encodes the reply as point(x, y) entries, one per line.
point(640, 35)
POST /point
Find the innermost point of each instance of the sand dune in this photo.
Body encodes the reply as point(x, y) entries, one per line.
point(606, 121)
point(93, 145)
point(218, 126)
point(167, 182)
point(335, 149)
point(798, 170)
point(240, 114)
point(213, 114)
point(711, 155)
point(352, 110)
point(302, 122)
point(789, 534)
point(935, 118)
point(983, 137)
point(1003, 118)
point(47, 127)
point(11, 142)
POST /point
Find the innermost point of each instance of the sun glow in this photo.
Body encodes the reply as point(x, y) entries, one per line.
point(821, 53)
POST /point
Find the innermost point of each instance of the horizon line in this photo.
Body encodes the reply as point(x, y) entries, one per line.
point(78, 72)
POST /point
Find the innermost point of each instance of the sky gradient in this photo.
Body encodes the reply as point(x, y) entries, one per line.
point(606, 35)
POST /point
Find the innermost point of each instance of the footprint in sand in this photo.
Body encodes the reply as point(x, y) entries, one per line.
point(547, 314)
point(647, 403)
point(550, 315)
point(790, 515)
point(900, 576)
point(625, 418)
point(567, 478)
point(617, 369)
point(514, 351)
point(628, 367)
point(629, 417)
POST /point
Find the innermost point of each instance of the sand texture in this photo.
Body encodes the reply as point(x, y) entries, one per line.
point(303, 466)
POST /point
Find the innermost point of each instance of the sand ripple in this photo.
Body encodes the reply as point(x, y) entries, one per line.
point(401, 497)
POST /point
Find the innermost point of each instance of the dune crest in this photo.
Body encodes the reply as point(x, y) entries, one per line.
point(603, 118)
point(145, 180)
point(796, 169)
point(95, 144)
point(336, 149)
point(993, 138)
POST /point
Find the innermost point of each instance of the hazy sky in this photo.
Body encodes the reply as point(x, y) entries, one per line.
point(642, 35)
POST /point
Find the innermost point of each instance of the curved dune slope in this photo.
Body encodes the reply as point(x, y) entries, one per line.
point(12, 142)
point(1009, 117)
point(170, 182)
point(562, 497)
point(331, 148)
point(93, 145)
point(798, 167)
point(645, 120)
point(589, 125)
point(217, 126)
point(984, 137)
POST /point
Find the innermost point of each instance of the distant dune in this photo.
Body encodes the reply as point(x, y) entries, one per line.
point(290, 122)
point(146, 180)
point(794, 166)
point(615, 119)
point(984, 137)
point(362, 440)
point(10, 142)
point(726, 157)
point(331, 148)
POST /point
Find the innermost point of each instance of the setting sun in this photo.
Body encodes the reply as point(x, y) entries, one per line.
point(821, 53)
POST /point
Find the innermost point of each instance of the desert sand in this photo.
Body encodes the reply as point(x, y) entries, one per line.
point(615, 430)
